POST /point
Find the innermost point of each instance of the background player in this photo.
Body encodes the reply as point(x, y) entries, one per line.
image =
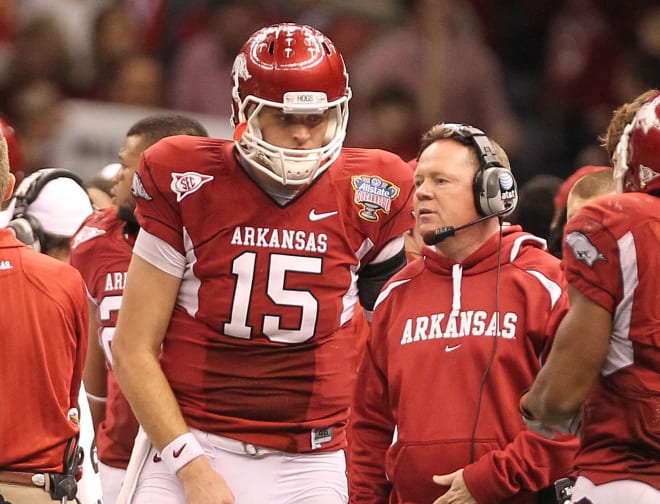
point(249, 262)
point(602, 374)
point(101, 250)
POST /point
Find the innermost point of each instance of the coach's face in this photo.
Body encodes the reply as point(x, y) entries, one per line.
point(443, 180)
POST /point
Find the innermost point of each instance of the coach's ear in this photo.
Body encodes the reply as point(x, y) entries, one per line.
point(11, 181)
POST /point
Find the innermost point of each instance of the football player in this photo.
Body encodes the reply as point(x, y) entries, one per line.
point(250, 260)
point(603, 371)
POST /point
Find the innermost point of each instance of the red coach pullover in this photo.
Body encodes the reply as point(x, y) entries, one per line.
point(434, 333)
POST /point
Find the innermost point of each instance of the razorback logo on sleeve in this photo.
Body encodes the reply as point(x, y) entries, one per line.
point(138, 190)
point(374, 195)
point(86, 234)
point(187, 183)
point(647, 174)
point(583, 249)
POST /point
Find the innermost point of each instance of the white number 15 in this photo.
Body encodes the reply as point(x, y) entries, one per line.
point(244, 269)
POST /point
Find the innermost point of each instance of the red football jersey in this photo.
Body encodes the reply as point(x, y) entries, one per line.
point(260, 346)
point(43, 343)
point(610, 257)
point(101, 250)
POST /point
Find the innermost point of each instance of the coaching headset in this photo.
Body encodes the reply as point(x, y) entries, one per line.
point(495, 189)
point(26, 227)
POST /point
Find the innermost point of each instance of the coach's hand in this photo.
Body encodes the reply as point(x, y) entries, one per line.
point(458, 492)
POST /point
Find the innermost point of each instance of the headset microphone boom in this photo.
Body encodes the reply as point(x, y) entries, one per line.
point(441, 234)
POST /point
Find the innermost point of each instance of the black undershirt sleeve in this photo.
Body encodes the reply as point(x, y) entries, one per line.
point(372, 278)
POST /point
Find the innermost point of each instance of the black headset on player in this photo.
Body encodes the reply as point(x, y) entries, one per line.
point(26, 227)
point(495, 189)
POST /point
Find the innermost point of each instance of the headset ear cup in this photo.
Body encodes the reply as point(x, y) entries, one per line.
point(496, 191)
point(24, 230)
point(479, 193)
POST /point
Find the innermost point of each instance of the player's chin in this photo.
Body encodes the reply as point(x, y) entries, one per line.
point(126, 213)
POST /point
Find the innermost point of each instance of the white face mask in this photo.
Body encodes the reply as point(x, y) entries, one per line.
point(292, 166)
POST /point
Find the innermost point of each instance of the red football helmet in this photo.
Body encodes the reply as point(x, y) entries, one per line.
point(297, 69)
point(637, 167)
point(14, 150)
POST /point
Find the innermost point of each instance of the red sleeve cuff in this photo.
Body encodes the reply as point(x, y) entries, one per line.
point(483, 482)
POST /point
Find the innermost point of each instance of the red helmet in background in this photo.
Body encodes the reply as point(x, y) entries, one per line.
point(637, 167)
point(14, 149)
point(298, 70)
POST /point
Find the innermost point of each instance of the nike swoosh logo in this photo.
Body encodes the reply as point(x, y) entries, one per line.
point(176, 453)
point(157, 458)
point(313, 216)
point(451, 348)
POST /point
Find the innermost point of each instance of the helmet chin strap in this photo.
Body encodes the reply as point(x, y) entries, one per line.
point(239, 130)
point(299, 170)
point(270, 168)
point(287, 169)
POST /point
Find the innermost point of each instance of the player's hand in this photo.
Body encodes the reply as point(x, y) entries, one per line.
point(572, 425)
point(203, 485)
point(539, 427)
point(458, 492)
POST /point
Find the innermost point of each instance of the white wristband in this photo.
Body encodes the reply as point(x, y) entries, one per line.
point(181, 451)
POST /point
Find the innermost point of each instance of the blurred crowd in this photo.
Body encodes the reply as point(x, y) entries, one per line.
point(543, 77)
